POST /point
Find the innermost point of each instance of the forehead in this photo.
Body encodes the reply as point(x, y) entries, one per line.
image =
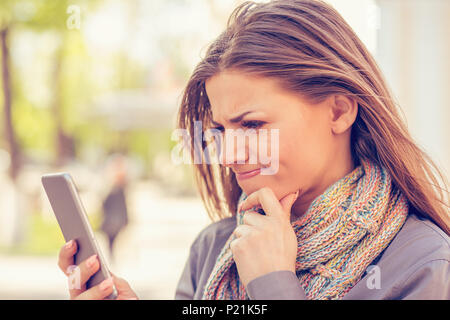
point(230, 92)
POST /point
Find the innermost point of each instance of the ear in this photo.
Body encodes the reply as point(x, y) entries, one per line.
point(343, 113)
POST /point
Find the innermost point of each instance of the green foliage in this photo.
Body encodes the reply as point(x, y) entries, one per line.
point(40, 15)
point(74, 86)
point(44, 237)
point(36, 126)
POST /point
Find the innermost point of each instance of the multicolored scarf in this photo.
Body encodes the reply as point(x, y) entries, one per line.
point(340, 234)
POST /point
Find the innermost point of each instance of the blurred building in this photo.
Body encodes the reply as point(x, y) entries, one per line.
point(413, 50)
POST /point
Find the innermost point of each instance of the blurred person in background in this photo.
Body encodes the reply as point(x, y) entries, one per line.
point(115, 214)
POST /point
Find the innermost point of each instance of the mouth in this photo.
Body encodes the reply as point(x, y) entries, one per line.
point(247, 174)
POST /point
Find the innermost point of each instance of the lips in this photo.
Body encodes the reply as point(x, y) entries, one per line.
point(247, 174)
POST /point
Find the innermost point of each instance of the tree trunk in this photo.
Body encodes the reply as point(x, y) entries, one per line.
point(65, 148)
point(11, 141)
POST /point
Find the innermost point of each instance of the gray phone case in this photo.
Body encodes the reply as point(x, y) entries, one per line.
point(73, 222)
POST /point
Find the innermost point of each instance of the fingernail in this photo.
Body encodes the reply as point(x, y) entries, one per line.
point(91, 261)
point(69, 245)
point(106, 284)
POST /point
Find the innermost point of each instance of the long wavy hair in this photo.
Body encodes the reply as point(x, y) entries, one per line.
point(310, 49)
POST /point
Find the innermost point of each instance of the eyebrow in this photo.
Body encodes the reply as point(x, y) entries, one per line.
point(235, 119)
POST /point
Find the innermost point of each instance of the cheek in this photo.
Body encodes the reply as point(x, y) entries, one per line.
point(303, 154)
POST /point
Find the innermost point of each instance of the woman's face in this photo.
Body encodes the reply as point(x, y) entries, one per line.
point(313, 146)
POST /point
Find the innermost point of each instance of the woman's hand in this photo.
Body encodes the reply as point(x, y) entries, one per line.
point(87, 268)
point(265, 243)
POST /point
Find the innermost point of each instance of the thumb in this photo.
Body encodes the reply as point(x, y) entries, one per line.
point(121, 284)
point(123, 289)
point(288, 201)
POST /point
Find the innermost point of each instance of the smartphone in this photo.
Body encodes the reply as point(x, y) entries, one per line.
point(74, 224)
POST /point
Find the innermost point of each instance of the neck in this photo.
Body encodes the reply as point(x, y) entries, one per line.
point(332, 174)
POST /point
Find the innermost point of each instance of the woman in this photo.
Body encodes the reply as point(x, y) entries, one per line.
point(352, 210)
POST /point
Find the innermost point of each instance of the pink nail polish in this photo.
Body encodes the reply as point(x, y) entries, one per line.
point(106, 284)
point(69, 245)
point(91, 261)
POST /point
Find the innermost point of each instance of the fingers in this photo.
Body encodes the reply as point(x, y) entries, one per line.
point(81, 274)
point(242, 230)
point(98, 292)
point(118, 281)
point(121, 284)
point(253, 219)
point(65, 258)
point(123, 288)
point(264, 197)
point(77, 275)
point(288, 201)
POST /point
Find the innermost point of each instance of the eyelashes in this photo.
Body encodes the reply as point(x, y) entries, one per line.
point(251, 124)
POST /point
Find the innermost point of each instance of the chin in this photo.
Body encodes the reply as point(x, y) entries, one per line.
point(249, 187)
point(254, 184)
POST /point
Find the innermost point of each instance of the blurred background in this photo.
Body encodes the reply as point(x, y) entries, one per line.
point(92, 87)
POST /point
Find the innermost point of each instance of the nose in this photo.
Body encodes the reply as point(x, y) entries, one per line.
point(234, 148)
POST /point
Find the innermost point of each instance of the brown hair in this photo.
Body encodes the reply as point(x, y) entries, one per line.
point(311, 50)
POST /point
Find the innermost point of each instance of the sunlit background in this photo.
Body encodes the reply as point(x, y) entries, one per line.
point(85, 82)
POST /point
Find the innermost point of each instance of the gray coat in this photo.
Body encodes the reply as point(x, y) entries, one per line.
point(415, 265)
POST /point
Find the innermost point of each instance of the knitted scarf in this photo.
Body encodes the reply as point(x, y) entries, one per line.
point(341, 233)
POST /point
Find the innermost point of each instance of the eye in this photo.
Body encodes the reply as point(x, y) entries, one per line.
point(253, 124)
point(220, 128)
